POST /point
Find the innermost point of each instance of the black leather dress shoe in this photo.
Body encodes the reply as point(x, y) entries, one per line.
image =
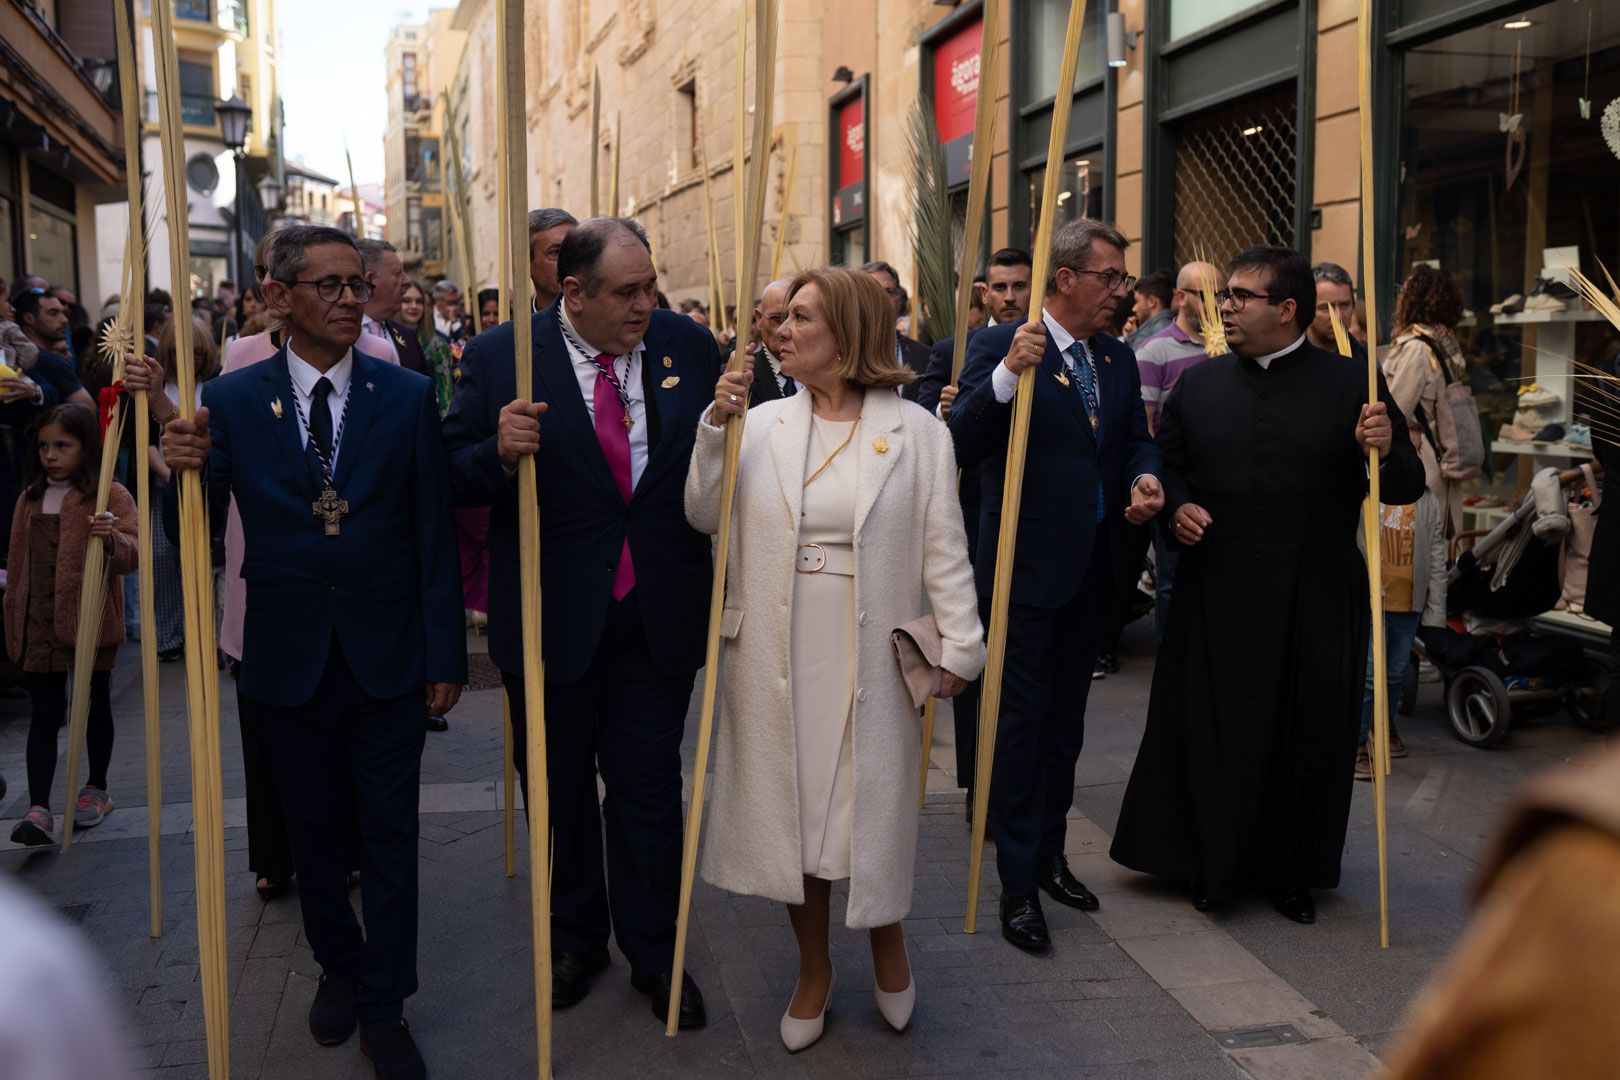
point(571, 975)
point(1056, 881)
point(1200, 896)
point(332, 1016)
point(1022, 922)
point(656, 987)
point(392, 1051)
point(437, 723)
point(1295, 903)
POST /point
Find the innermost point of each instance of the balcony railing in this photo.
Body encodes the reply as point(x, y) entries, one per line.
point(198, 109)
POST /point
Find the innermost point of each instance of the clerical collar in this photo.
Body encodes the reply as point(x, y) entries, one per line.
point(1265, 361)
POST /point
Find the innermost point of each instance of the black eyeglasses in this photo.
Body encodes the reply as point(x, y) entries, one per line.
point(330, 287)
point(1239, 298)
point(1113, 279)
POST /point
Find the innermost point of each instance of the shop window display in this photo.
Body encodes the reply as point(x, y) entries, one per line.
point(1506, 174)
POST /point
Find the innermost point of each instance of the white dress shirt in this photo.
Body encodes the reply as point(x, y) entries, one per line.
point(1265, 361)
point(586, 372)
point(375, 340)
point(442, 324)
point(1003, 382)
point(304, 378)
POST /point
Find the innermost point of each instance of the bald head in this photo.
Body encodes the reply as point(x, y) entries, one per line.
point(1194, 274)
point(770, 311)
point(1189, 289)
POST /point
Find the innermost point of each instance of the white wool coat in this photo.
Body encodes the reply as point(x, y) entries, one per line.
point(910, 557)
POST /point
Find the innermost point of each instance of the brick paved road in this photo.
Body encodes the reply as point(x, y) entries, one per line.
point(1146, 987)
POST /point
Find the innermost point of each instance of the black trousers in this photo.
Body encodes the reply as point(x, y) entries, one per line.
point(965, 706)
point(269, 850)
point(1047, 679)
point(624, 720)
point(48, 701)
point(346, 752)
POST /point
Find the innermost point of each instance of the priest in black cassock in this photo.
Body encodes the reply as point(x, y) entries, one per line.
point(1243, 779)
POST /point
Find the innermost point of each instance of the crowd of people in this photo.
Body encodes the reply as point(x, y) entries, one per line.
point(359, 435)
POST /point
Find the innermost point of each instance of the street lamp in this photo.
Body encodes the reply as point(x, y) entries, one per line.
point(233, 124)
point(270, 193)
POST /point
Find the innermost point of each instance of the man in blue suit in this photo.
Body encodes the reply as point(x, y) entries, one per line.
point(625, 582)
point(1007, 291)
point(1091, 467)
point(353, 610)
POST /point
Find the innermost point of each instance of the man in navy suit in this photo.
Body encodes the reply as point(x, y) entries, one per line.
point(353, 611)
point(625, 582)
point(1091, 467)
point(1007, 289)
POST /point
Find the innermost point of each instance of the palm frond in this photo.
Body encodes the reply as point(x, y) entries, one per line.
point(1341, 337)
point(1209, 308)
point(931, 224)
point(1607, 304)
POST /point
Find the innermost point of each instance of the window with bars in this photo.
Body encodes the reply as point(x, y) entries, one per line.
point(1235, 173)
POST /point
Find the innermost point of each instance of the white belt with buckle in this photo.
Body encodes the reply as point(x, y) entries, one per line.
point(826, 559)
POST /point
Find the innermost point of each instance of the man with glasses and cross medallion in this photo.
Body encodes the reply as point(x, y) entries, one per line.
point(619, 388)
point(1091, 468)
point(1244, 775)
point(353, 614)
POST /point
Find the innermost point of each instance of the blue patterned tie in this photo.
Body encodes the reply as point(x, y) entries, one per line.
point(1085, 378)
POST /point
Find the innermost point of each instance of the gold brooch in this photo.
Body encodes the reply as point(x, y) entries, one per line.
point(275, 408)
point(1062, 378)
point(673, 380)
point(880, 444)
point(668, 362)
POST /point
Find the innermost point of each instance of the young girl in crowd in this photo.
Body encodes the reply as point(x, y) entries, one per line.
point(55, 518)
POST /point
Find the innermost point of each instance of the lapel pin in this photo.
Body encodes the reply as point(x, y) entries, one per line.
point(371, 386)
point(668, 362)
point(275, 408)
point(673, 380)
point(1062, 378)
point(881, 444)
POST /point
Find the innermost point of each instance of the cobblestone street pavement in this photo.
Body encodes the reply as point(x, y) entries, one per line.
point(1145, 987)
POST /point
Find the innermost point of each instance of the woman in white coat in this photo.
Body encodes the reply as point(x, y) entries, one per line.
point(846, 526)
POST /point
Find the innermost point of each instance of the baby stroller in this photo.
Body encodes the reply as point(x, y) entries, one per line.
point(1494, 669)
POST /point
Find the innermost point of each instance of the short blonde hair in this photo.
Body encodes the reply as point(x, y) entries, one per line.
point(862, 322)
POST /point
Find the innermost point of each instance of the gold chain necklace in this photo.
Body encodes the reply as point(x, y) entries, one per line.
point(823, 466)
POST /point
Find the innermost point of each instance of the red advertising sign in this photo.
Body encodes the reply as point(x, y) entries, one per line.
point(852, 142)
point(956, 82)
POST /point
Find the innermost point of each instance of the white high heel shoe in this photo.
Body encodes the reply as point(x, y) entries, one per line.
point(896, 1007)
point(798, 1034)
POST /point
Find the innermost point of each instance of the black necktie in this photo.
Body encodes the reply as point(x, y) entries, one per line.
point(320, 427)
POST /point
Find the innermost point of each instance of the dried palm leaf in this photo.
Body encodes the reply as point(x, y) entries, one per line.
point(930, 223)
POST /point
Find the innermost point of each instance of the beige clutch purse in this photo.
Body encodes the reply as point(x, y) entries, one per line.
point(918, 647)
